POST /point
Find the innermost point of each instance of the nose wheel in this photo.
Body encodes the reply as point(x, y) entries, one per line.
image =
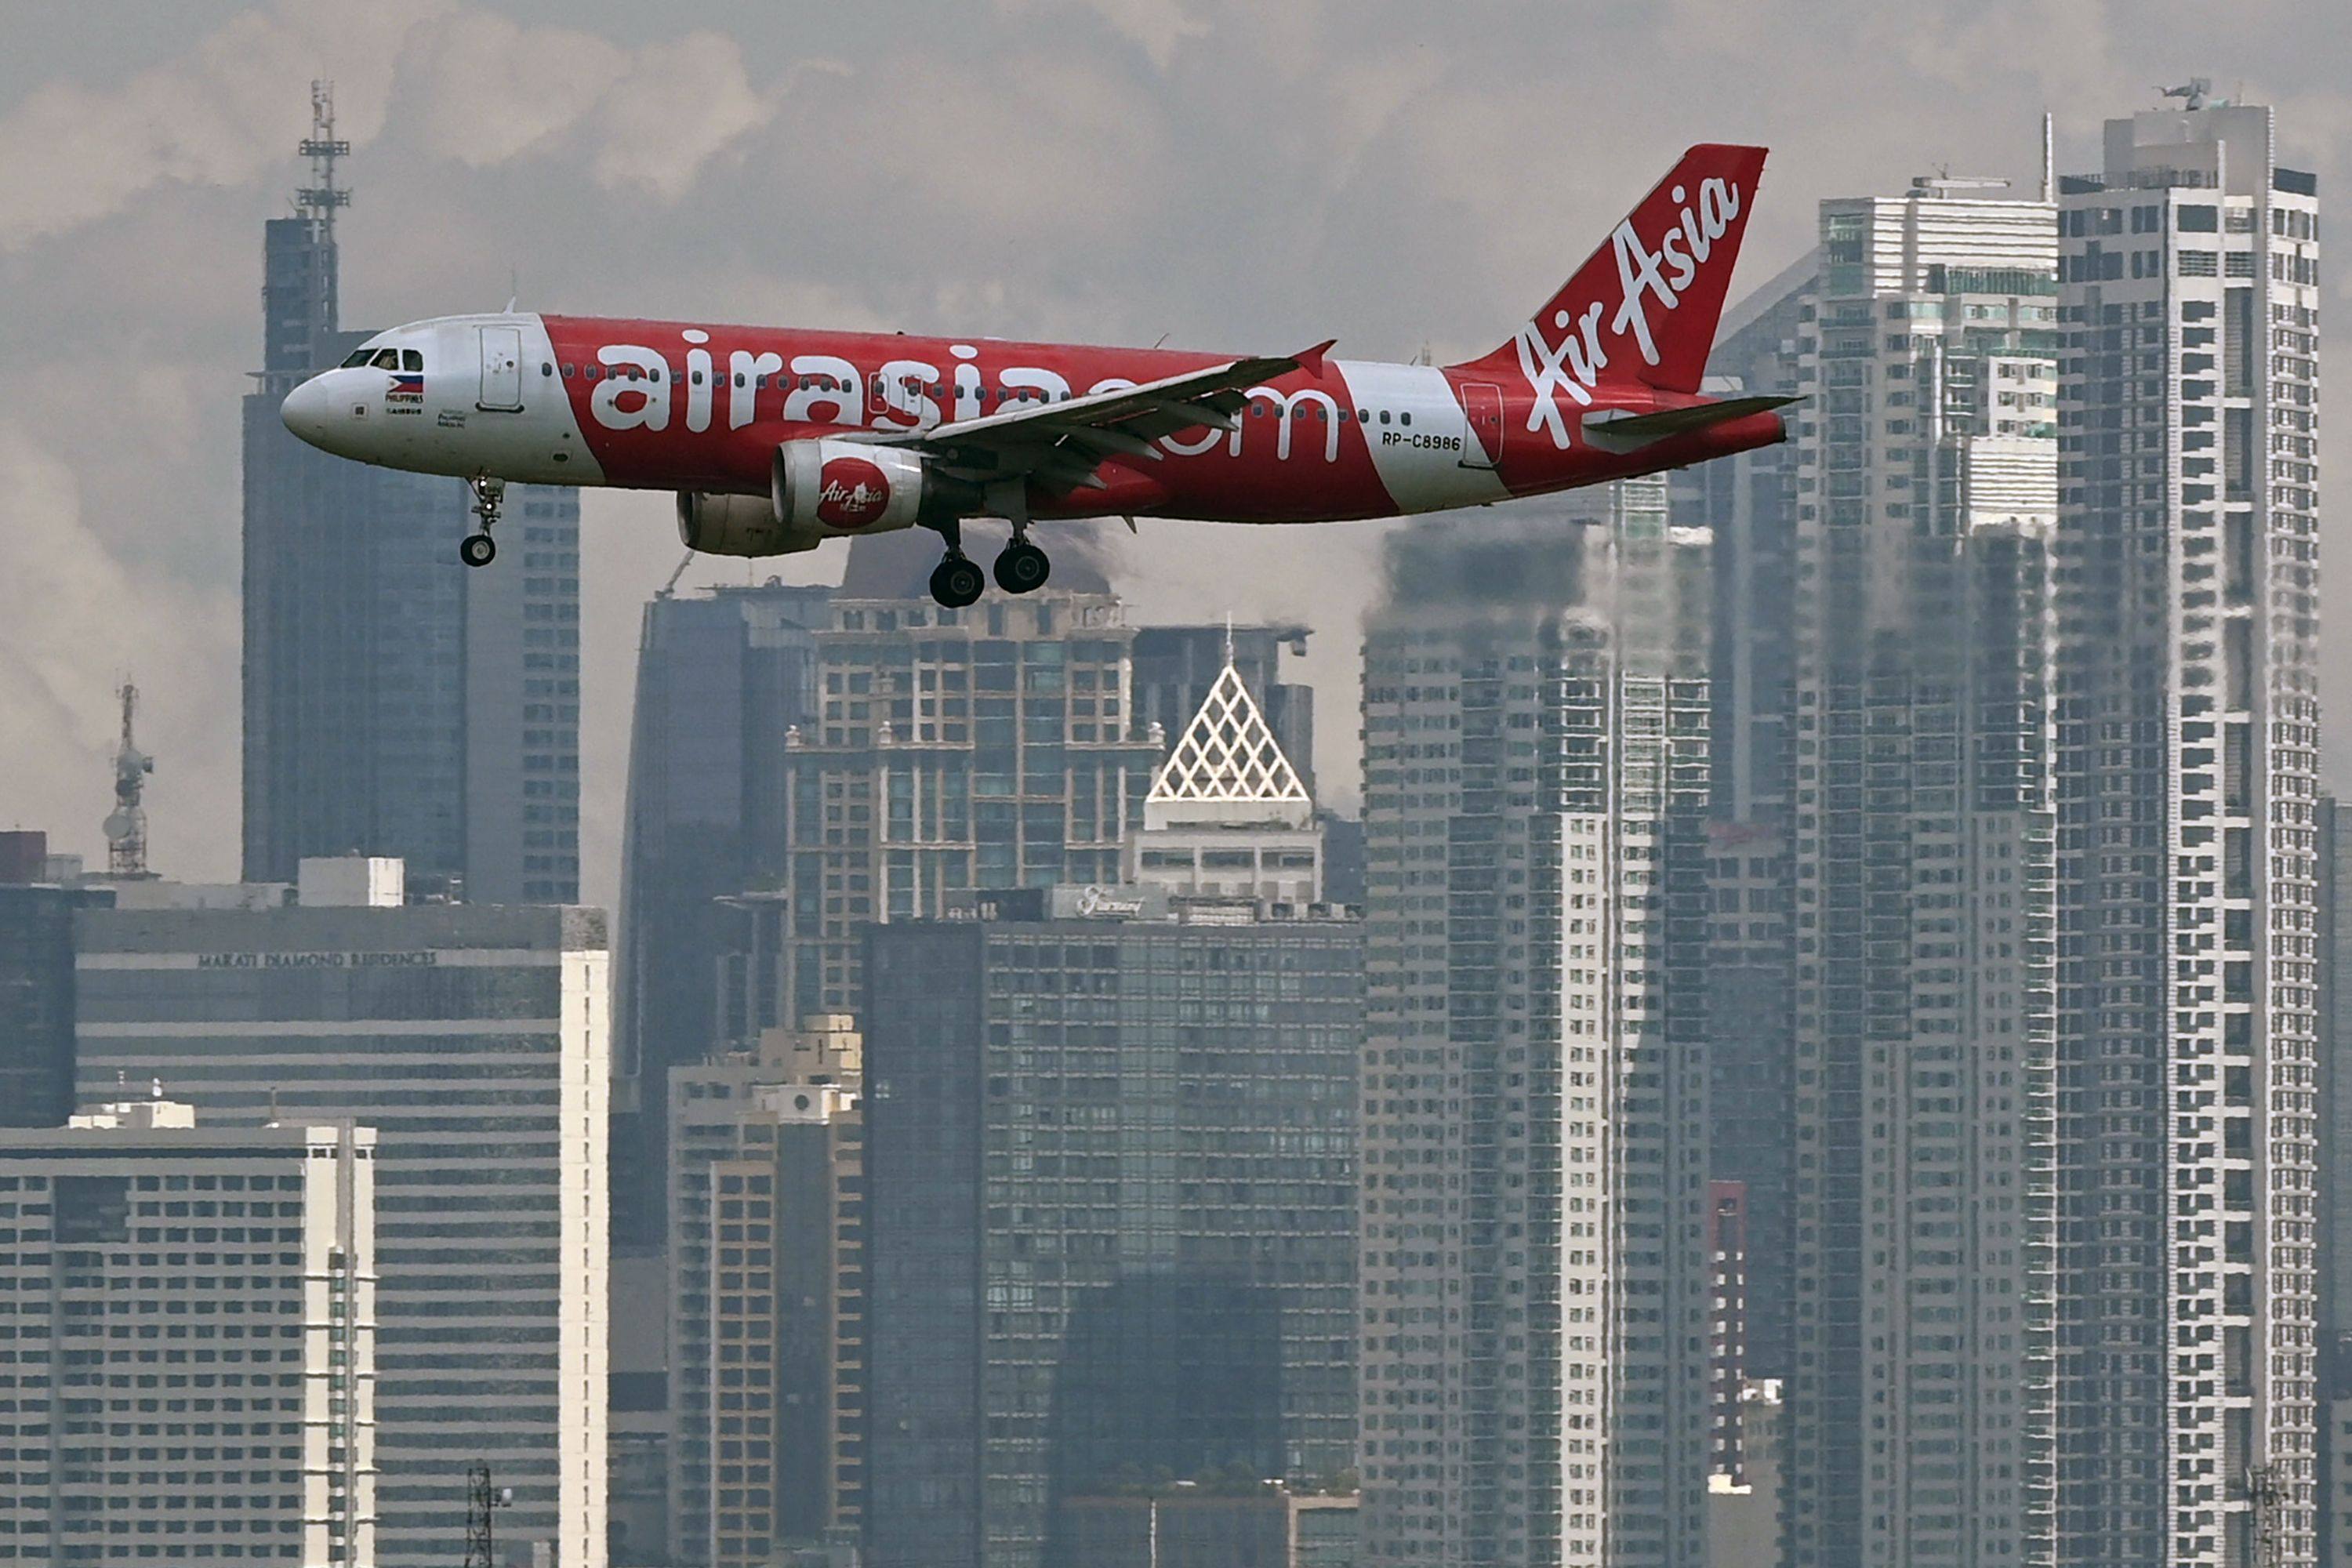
point(489, 499)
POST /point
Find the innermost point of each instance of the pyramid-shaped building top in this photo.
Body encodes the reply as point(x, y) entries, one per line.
point(1227, 767)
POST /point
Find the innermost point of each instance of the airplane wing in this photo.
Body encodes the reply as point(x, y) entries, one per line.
point(1062, 443)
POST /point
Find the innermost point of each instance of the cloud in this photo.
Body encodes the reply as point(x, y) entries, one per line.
point(466, 85)
point(76, 619)
point(1158, 27)
point(1234, 176)
point(70, 155)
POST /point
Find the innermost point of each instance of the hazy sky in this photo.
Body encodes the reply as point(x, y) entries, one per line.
point(1246, 177)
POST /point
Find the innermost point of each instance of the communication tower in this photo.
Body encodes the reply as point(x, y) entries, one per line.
point(126, 826)
point(322, 196)
point(482, 1504)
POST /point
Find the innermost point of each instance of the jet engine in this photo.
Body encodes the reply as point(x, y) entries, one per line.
point(818, 490)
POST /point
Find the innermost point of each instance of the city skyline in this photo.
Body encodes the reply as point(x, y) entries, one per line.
point(1810, 987)
point(407, 172)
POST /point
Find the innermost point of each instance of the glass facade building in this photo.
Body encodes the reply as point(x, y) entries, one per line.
point(36, 1001)
point(1111, 1216)
point(952, 749)
point(723, 678)
point(395, 702)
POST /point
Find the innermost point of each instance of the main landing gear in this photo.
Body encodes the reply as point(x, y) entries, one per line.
point(956, 580)
point(1021, 567)
point(490, 498)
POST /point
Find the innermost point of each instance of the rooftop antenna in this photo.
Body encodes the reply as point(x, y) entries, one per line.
point(2049, 159)
point(321, 197)
point(126, 824)
point(2191, 91)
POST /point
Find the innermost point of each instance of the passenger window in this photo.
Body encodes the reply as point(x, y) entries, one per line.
point(387, 359)
point(1404, 420)
point(411, 359)
point(1384, 416)
point(698, 378)
point(739, 378)
point(546, 367)
point(567, 369)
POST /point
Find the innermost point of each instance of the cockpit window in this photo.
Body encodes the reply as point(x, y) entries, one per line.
point(357, 357)
point(386, 359)
point(412, 359)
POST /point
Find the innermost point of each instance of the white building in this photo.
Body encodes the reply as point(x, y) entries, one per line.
point(1227, 815)
point(1921, 1426)
point(2187, 716)
point(187, 1341)
point(1533, 1273)
point(473, 1039)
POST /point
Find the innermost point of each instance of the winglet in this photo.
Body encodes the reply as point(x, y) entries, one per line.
point(1311, 360)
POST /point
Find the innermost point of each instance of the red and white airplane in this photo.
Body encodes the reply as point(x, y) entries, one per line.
point(777, 439)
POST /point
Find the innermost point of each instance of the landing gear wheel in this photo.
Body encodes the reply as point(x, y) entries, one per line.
point(477, 549)
point(957, 581)
point(1023, 568)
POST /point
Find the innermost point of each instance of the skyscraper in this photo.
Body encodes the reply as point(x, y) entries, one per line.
point(950, 750)
point(1534, 1367)
point(191, 1329)
point(1749, 503)
point(1922, 831)
point(767, 1300)
point(1110, 1212)
point(37, 986)
point(474, 1040)
point(395, 703)
point(2187, 714)
point(723, 676)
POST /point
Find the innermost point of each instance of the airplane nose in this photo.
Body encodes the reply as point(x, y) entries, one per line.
point(305, 411)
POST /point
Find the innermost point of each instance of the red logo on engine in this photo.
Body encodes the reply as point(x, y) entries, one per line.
point(850, 492)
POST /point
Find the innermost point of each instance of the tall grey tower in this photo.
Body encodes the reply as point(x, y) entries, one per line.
point(1533, 1269)
point(395, 703)
point(1923, 841)
point(2188, 714)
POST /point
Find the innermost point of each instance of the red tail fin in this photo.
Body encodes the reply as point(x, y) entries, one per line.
point(1643, 307)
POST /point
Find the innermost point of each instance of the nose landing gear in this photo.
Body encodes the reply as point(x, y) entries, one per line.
point(490, 498)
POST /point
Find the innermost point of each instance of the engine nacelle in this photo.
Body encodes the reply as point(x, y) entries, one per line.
point(735, 525)
point(832, 489)
point(818, 490)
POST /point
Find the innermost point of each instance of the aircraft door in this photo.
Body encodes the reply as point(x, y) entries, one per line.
point(1482, 444)
point(501, 370)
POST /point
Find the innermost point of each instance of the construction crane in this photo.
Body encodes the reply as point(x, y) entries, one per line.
point(482, 1504)
point(126, 824)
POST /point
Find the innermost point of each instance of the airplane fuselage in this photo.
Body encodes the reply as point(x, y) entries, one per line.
point(677, 405)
